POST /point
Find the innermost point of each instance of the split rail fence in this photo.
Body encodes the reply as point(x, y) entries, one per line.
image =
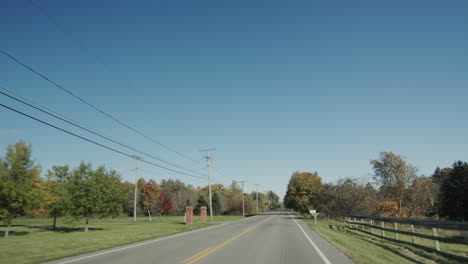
point(372, 222)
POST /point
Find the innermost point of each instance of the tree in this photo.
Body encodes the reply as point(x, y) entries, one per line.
point(438, 178)
point(58, 201)
point(150, 195)
point(178, 192)
point(302, 191)
point(454, 189)
point(347, 196)
point(394, 175)
point(274, 199)
point(20, 185)
point(165, 205)
point(216, 201)
point(94, 192)
point(201, 201)
point(420, 197)
point(129, 189)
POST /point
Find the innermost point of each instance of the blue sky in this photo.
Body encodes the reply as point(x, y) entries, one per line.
point(274, 86)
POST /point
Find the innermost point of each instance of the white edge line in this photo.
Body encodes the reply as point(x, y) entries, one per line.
point(325, 259)
point(148, 242)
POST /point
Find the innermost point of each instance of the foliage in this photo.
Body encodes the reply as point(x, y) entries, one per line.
point(94, 192)
point(58, 201)
point(164, 205)
point(394, 175)
point(150, 195)
point(302, 191)
point(347, 196)
point(274, 199)
point(201, 201)
point(420, 197)
point(178, 192)
point(216, 201)
point(21, 191)
point(454, 189)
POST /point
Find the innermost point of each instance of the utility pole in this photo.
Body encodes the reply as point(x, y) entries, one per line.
point(256, 185)
point(136, 189)
point(208, 161)
point(243, 211)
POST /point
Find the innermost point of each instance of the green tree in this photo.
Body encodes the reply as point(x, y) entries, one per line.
point(302, 191)
point(274, 199)
point(94, 192)
point(21, 191)
point(454, 198)
point(216, 201)
point(347, 196)
point(201, 201)
point(261, 200)
point(394, 175)
point(58, 200)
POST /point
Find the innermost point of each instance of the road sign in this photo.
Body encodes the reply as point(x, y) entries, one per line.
point(314, 214)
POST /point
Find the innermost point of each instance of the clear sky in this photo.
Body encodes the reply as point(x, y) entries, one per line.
point(274, 86)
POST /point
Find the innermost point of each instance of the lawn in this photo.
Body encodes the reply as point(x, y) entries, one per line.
point(33, 240)
point(366, 248)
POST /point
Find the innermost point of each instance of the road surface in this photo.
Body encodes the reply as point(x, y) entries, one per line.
point(273, 239)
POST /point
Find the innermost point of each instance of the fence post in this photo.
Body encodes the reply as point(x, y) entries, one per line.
point(395, 225)
point(355, 225)
point(434, 233)
point(413, 238)
point(372, 226)
point(382, 224)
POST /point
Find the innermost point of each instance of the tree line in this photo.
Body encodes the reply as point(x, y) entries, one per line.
point(85, 192)
point(396, 191)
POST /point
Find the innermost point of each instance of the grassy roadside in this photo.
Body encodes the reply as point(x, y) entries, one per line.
point(366, 248)
point(33, 241)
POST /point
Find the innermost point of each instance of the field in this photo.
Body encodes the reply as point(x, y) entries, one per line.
point(366, 248)
point(34, 241)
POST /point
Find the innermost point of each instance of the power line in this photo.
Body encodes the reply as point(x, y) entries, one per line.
point(93, 106)
point(91, 131)
point(96, 143)
point(168, 174)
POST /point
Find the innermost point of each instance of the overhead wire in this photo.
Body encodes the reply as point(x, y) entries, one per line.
point(97, 143)
point(92, 105)
point(64, 119)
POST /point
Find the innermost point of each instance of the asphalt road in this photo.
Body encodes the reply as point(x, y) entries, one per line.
point(276, 238)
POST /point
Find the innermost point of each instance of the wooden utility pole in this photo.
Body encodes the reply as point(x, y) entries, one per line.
point(136, 188)
point(208, 161)
point(243, 210)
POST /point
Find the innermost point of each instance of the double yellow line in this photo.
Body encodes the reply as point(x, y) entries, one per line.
point(208, 251)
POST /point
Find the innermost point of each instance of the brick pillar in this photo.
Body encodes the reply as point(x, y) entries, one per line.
point(189, 215)
point(203, 213)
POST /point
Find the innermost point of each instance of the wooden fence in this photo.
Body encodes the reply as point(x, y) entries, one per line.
point(370, 222)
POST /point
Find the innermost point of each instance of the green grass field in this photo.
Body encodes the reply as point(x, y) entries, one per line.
point(366, 248)
point(33, 240)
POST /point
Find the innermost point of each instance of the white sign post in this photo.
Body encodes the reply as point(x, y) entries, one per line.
point(314, 214)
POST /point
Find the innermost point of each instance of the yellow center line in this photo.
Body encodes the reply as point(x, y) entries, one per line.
point(207, 252)
point(196, 255)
